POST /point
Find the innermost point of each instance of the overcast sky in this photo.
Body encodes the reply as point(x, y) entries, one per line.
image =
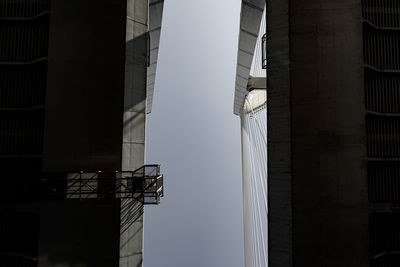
point(194, 135)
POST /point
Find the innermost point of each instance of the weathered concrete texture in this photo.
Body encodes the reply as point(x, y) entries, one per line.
point(95, 120)
point(330, 208)
point(279, 143)
point(316, 134)
point(83, 128)
point(71, 233)
point(131, 234)
point(79, 233)
point(134, 123)
point(85, 84)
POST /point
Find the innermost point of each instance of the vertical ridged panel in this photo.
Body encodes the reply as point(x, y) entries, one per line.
point(19, 239)
point(21, 132)
point(23, 86)
point(381, 43)
point(23, 41)
point(382, 91)
point(382, 49)
point(389, 260)
point(384, 181)
point(23, 8)
point(383, 136)
point(382, 13)
point(385, 231)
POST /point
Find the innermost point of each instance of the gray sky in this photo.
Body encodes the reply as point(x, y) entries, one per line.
point(194, 135)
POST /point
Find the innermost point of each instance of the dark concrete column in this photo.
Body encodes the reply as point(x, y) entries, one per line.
point(279, 129)
point(83, 129)
point(329, 186)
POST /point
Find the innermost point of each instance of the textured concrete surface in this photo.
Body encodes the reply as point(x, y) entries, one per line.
point(279, 128)
point(79, 233)
point(317, 175)
point(95, 120)
point(134, 124)
point(95, 115)
point(83, 129)
point(330, 205)
point(84, 93)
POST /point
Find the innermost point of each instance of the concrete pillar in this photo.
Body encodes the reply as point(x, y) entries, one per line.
point(279, 138)
point(134, 123)
point(330, 203)
point(316, 134)
point(83, 128)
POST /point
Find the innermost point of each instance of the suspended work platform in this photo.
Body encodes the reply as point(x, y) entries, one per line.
point(144, 184)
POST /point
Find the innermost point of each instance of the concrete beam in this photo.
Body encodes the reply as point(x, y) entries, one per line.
point(250, 18)
point(155, 13)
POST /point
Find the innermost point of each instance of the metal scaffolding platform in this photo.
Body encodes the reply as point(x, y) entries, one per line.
point(144, 184)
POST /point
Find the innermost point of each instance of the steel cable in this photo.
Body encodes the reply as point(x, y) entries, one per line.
point(254, 161)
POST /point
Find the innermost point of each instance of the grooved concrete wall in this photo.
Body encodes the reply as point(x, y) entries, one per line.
point(95, 120)
point(279, 142)
point(83, 128)
point(330, 208)
point(85, 86)
point(316, 134)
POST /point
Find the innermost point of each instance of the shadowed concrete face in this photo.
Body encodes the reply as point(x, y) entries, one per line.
point(95, 120)
point(134, 123)
point(89, 117)
point(79, 233)
point(328, 134)
point(316, 134)
point(85, 86)
point(83, 128)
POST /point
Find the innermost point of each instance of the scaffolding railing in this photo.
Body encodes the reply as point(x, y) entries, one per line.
point(144, 184)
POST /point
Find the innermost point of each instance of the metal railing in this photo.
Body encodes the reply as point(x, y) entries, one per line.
point(264, 51)
point(144, 184)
